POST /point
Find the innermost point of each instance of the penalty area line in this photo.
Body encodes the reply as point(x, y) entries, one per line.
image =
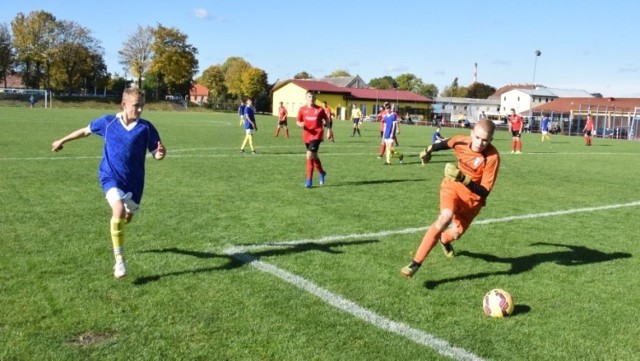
point(439, 345)
point(420, 337)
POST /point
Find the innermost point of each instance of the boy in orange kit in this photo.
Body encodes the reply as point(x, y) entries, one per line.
point(463, 191)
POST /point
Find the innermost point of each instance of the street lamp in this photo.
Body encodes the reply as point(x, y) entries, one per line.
point(535, 62)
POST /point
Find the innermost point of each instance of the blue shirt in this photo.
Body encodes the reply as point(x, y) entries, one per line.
point(545, 124)
point(125, 150)
point(248, 114)
point(436, 136)
point(389, 122)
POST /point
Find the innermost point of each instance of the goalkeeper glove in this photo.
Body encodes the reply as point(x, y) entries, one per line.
point(425, 155)
point(452, 171)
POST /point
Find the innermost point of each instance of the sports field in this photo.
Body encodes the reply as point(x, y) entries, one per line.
point(231, 258)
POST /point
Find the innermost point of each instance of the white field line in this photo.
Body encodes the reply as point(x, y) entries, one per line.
point(441, 346)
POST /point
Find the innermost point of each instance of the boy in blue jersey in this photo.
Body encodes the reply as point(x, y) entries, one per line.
point(127, 138)
point(390, 120)
point(249, 126)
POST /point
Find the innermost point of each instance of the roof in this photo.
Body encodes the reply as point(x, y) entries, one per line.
point(566, 105)
point(199, 90)
point(356, 93)
point(346, 81)
point(557, 93)
point(510, 87)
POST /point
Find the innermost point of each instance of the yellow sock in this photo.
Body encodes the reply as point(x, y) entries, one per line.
point(251, 143)
point(117, 237)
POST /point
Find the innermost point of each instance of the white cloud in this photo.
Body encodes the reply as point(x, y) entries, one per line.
point(201, 13)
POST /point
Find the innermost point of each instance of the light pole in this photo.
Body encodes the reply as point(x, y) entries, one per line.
point(535, 62)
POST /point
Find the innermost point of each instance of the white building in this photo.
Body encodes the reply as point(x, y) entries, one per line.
point(524, 99)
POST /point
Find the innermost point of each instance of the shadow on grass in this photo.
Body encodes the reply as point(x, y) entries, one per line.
point(240, 259)
point(375, 181)
point(574, 256)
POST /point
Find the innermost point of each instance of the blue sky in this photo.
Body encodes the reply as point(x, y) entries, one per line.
point(585, 44)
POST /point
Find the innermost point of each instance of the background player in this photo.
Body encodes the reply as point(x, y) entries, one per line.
point(516, 128)
point(282, 121)
point(311, 118)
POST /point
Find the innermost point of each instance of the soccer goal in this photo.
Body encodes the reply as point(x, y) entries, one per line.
point(25, 97)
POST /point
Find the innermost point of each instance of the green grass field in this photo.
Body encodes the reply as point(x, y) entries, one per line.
point(230, 258)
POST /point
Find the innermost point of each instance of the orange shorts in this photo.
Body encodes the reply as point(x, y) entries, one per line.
point(465, 204)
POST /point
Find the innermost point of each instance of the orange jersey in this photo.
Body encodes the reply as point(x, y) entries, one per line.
point(329, 113)
point(481, 167)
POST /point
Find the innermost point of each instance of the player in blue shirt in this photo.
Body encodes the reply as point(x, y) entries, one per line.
point(249, 126)
point(390, 120)
point(544, 128)
point(127, 138)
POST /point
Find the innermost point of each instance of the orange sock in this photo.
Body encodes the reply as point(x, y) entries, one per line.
point(286, 132)
point(383, 147)
point(427, 244)
point(318, 165)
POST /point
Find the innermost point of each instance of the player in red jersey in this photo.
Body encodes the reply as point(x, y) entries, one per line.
point(282, 121)
point(588, 130)
point(329, 123)
point(312, 118)
point(463, 191)
point(516, 128)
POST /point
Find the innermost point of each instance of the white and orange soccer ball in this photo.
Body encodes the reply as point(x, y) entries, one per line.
point(498, 303)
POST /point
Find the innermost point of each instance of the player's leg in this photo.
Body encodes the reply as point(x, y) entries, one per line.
point(116, 197)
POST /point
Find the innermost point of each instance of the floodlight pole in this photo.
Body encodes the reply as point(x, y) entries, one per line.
point(535, 63)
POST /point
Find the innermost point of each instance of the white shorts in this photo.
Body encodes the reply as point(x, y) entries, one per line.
point(116, 195)
point(389, 142)
point(544, 132)
point(249, 131)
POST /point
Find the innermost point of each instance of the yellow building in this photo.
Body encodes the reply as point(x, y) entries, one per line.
point(342, 100)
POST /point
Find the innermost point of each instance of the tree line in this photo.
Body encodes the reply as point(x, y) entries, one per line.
point(64, 57)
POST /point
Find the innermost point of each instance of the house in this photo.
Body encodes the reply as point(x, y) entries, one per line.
point(13, 81)
point(343, 99)
point(524, 99)
point(452, 110)
point(199, 94)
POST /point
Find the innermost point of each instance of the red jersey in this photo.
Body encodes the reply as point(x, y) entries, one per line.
point(282, 113)
point(589, 126)
point(328, 112)
point(313, 118)
point(515, 122)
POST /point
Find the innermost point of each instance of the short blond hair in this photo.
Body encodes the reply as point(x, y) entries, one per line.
point(133, 91)
point(487, 125)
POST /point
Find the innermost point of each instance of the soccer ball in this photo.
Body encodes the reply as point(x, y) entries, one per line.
point(498, 303)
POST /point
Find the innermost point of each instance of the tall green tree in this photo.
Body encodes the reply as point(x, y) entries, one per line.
point(454, 90)
point(254, 83)
point(34, 37)
point(386, 82)
point(6, 52)
point(136, 52)
point(174, 62)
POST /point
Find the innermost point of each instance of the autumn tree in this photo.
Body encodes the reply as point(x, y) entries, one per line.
point(34, 36)
point(6, 52)
point(233, 68)
point(213, 79)
point(74, 54)
point(454, 90)
point(136, 53)
point(174, 61)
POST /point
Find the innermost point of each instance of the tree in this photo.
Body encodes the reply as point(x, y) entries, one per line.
point(428, 90)
point(213, 79)
point(136, 53)
point(233, 68)
point(74, 55)
point(303, 75)
point(386, 82)
point(254, 83)
point(174, 61)
point(34, 37)
point(454, 90)
point(408, 82)
point(6, 52)
point(480, 91)
point(338, 73)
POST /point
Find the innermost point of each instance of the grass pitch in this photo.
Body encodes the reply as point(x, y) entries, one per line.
point(230, 258)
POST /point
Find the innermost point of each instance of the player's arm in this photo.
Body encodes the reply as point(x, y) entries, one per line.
point(425, 155)
point(160, 152)
point(80, 133)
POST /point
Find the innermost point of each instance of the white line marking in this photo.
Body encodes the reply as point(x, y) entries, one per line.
point(343, 304)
